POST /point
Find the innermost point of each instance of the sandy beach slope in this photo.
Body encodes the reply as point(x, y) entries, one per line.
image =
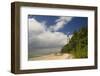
point(53, 56)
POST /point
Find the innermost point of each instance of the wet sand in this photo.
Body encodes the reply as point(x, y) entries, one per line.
point(53, 56)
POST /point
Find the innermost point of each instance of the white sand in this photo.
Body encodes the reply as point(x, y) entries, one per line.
point(53, 57)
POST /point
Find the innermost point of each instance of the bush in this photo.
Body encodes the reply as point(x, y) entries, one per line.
point(78, 44)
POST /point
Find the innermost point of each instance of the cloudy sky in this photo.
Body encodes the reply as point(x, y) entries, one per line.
point(47, 34)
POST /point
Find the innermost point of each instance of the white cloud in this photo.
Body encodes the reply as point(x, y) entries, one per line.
point(35, 26)
point(60, 23)
point(50, 39)
point(64, 19)
point(40, 37)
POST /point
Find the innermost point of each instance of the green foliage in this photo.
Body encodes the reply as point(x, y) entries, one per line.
point(78, 44)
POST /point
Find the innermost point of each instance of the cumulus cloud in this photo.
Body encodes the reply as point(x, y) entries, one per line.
point(60, 23)
point(35, 26)
point(41, 38)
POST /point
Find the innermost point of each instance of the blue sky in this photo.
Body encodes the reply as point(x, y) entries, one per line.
point(48, 34)
point(74, 25)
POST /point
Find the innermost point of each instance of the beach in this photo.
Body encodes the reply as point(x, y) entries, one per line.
point(53, 56)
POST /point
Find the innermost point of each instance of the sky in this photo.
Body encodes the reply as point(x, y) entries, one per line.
point(48, 34)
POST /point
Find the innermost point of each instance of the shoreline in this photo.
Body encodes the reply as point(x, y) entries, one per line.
point(53, 56)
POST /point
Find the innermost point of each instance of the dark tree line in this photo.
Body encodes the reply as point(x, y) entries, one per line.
point(78, 45)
